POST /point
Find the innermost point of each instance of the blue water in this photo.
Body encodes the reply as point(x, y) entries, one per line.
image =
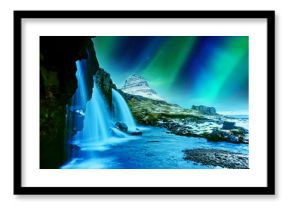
point(155, 149)
point(239, 116)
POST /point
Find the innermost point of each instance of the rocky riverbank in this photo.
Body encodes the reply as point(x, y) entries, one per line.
point(209, 129)
point(220, 158)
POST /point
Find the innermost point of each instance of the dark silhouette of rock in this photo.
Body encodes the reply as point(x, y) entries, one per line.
point(106, 84)
point(204, 109)
point(134, 132)
point(122, 126)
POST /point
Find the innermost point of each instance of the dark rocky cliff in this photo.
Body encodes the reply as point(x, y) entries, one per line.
point(58, 84)
point(205, 109)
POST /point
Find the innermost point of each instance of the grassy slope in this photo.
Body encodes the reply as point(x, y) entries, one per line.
point(149, 112)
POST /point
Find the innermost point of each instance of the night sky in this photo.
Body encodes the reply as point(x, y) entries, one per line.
point(186, 70)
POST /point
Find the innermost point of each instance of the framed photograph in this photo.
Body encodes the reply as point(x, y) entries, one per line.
point(144, 102)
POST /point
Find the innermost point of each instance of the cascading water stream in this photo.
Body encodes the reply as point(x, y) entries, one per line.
point(81, 95)
point(122, 111)
point(97, 122)
point(88, 117)
point(98, 132)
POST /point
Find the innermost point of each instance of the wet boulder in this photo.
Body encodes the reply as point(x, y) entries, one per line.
point(233, 138)
point(228, 125)
point(124, 128)
point(218, 135)
point(121, 126)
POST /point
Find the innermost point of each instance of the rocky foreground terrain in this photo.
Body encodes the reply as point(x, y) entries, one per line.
point(220, 158)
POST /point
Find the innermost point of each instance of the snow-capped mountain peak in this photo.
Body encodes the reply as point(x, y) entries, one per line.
point(137, 85)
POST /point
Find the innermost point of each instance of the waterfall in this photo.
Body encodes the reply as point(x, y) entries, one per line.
point(122, 111)
point(89, 120)
point(81, 95)
point(97, 120)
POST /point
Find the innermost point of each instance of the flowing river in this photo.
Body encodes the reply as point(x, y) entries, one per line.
point(155, 149)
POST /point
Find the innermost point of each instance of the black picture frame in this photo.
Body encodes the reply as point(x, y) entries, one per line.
point(268, 190)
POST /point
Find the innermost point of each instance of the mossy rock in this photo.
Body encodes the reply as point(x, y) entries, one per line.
point(237, 132)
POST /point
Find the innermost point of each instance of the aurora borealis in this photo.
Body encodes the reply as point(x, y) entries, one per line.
point(186, 70)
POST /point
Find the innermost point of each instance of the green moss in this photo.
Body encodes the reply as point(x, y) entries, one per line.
point(180, 116)
point(52, 126)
